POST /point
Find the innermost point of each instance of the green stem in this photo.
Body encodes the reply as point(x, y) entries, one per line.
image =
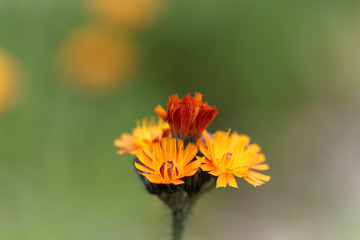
point(191, 200)
point(178, 223)
point(181, 205)
point(183, 208)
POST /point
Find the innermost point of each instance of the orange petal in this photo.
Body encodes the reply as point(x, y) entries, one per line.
point(124, 138)
point(221, 181)
point(207, 137)
point(253, 182)
point(174, 98)
point(208, 166)
point(152, 178)
point(189, 153)
point(259, 176)
point(120, 152)
point(198, 96)
point(260, 167)
point(144, 168)
point(259, 159)
point(172, 148)
point(254, 148)
point(144, 158)
point(188, 174)
point(195, 114)
point(231, 180)
point(177, 182)
point(158, 155)
point(194, 165)
point(165, 148)
point(241, 172)
point(160, 111)
point(202, 148)
point(148, 151)
point(215, 172)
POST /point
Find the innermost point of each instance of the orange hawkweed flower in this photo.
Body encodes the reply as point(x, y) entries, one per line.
point(166, 162)
point(10, 79)
point(96, 60)
point(143, 135)
point(127, 13)
point(228, 156)
point(188, 117)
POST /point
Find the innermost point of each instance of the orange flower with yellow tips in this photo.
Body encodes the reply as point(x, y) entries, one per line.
point(143, 135)
point(228, 156)
point(188, 117)
point(181, 167)
point(167, 162)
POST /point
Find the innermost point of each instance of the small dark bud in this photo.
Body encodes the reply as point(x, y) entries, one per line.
point(171, 188)
point(205, 177)
point(194, 183)
point(152, 188)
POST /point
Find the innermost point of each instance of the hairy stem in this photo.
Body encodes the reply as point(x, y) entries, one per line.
point(181, 205)
point(178, 223)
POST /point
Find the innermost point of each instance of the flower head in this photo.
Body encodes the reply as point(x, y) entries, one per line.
point(10, 82)
point(228, 156)
point(142, 136)
point(96, 60)
point(188, 117)
point(127, 13)
point(166, 161)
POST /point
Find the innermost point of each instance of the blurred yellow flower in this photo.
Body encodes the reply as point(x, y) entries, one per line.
point(231, 155)
point(166, 162)
point(9, 82)
point(128, 13)
point(142, 136)
point(96, 60)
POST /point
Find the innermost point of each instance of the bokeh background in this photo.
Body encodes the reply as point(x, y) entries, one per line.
point(74, 75)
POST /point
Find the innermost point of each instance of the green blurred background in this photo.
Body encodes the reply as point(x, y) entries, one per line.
point(285, 73)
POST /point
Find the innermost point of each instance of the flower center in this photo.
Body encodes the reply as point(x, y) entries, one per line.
point(168, 170)
point(228, 155)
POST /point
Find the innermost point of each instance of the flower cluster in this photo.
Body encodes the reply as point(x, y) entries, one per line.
point(177, 151)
